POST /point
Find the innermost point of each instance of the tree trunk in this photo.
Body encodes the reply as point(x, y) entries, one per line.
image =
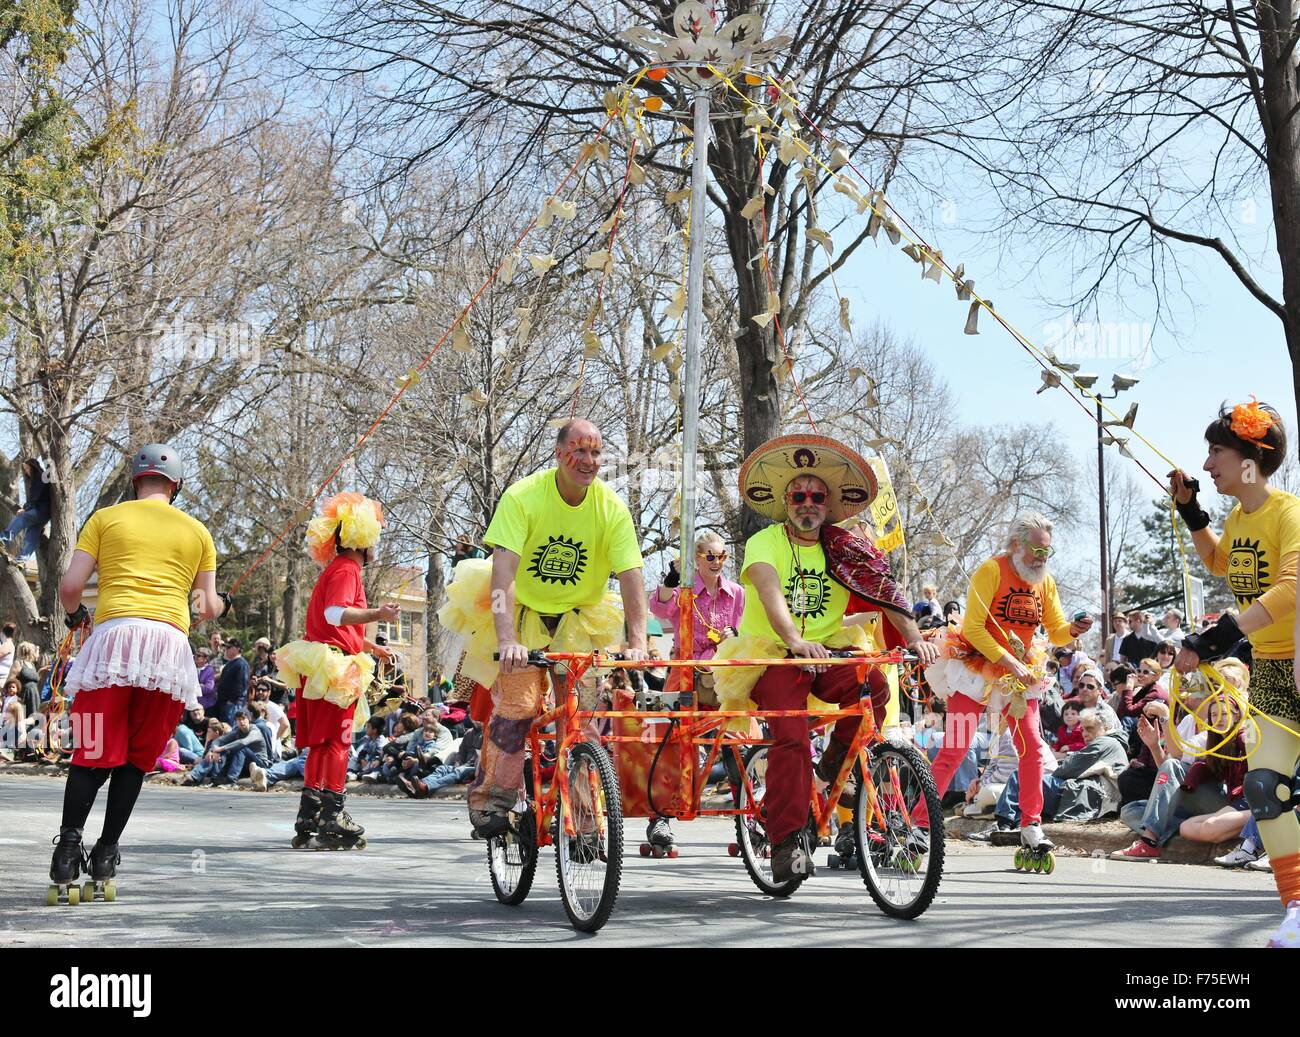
point(436, 640)
point(1281, 89)
point(291, 602)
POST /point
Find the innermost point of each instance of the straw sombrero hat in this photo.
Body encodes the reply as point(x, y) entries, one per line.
point(769, 469)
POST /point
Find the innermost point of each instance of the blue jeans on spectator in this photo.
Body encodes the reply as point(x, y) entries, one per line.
point(203, 770)
point(294, 768)
point(1008, 806)
point(1170, 804)
point(187, 757)
point(226, 712)
point(446, 774)
point(238, 761)
point(29, 524)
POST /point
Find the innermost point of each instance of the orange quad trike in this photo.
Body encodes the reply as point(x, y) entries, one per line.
point(656, 762)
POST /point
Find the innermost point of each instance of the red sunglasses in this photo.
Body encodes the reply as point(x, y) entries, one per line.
point(799, 496)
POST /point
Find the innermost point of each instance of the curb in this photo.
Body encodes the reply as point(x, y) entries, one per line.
point(1100, 839)
point(365, 790)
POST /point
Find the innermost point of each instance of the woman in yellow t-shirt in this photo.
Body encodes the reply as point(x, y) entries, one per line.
point(1257, 554)
point(134, 675)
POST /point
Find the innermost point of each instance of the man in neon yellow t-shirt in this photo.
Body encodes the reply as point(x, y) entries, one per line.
point(556, 537)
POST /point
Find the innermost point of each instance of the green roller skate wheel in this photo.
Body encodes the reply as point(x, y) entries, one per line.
point(88, 893)
point(1049, 864)
point(1020, 859)
point(74, 895)
point(51, 896)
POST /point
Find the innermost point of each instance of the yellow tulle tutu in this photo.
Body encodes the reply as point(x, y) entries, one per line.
point(735, 683)
point(329, 674)
point(468, 612)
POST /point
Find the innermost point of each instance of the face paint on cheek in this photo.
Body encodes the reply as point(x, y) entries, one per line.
point(581, 451)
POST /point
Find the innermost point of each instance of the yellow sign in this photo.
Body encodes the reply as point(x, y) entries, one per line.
point(885, 506)
point(891, 541)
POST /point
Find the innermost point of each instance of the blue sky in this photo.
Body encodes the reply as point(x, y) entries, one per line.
point(1226, 345)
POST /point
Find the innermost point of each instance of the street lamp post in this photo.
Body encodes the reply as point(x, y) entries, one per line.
point(1118, 384)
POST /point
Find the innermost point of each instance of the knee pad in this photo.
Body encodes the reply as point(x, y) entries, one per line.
point(1261, 789)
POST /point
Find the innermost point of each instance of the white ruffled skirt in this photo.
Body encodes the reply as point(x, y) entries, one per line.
point(137, 653)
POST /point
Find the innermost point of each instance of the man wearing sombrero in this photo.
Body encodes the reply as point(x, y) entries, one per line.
point(799, 574)
point(333, 665)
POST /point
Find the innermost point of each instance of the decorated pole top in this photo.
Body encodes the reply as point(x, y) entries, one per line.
point(698, 42)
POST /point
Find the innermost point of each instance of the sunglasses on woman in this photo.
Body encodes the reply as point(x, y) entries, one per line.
point(709, 556)
point(799, 496)
point(1148, 673)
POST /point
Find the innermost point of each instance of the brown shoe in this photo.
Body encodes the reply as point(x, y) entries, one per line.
point(414, 789)
point(790, 860)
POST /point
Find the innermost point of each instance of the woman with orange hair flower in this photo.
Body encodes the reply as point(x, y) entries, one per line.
point(1257, 553)
point(332, 667)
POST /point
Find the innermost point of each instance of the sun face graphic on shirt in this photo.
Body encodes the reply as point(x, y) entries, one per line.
point(806, 593)
point(1020, 606)
point(1248, 574)
point(559, 560)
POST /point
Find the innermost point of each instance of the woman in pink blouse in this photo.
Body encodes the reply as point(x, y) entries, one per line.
point(717, 607)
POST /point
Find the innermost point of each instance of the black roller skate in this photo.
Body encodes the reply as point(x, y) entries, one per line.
point(659, 839)
point(65, 868)
point(307, 823)
point(337, 830)
point(102, 864)
point(844, 854)
point(1035, 851)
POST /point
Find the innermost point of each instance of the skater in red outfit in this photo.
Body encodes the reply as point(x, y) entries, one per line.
point(998, 662)
point(333, 666)
point(134, 676)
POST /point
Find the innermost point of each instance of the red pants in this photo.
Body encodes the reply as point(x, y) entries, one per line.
point(789, 759)
point(327, 731)
point(961, 722)
point(118, 725)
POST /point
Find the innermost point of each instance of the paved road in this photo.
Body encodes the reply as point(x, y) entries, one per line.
point(215, 867)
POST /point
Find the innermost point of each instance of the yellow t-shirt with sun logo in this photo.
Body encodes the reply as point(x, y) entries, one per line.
point(566, 554)
point(1257, 555)
point(815, 600)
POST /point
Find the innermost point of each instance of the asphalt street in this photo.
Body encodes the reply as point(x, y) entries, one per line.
point(214, 867)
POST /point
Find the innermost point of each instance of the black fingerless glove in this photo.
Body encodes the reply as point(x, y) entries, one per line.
point(226, 603)
point(1192, 514)
point(674, 577)
point(1216, 641)
point(72, 620)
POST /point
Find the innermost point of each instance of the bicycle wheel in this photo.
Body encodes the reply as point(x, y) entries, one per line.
point(589, 863)
point(900, 858)
point(512, 860)
point(751, 834)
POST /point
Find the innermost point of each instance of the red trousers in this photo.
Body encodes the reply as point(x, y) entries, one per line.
point(789, 759)
point(327, 731)
point(962, 720)
point(118, 725)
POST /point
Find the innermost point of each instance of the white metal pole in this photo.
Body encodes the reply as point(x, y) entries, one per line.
point(694, 322)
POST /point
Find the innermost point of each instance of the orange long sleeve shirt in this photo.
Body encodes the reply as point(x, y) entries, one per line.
point(999, 602)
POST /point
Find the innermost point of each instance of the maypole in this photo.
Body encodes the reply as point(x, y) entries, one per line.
point(696, 47)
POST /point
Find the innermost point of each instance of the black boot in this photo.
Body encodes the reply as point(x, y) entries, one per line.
point(103, 861)
point(69, 858)
point(308, 820)
point(337, 829)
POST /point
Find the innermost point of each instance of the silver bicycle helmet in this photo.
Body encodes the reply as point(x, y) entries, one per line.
point(158, 459)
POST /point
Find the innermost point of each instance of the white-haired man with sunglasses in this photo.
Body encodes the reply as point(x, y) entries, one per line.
point(994, 662)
